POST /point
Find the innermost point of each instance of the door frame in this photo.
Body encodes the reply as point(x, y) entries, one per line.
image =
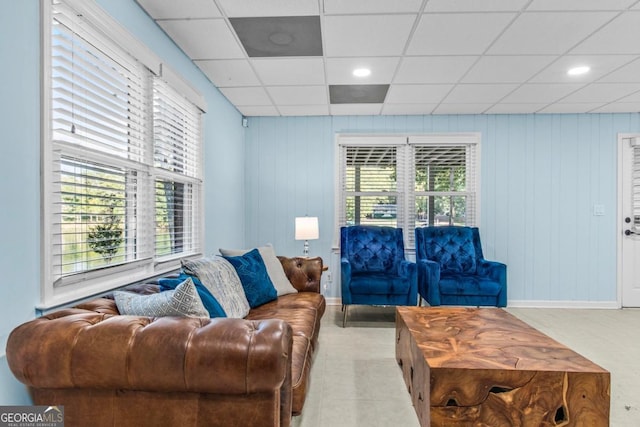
point(619, 213)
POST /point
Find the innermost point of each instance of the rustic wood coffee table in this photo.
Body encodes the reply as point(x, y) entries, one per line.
point(485, 367)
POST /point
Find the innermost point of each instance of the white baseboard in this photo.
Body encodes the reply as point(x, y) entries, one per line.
point(562, 304)
point(532, 304)
point(333, 300)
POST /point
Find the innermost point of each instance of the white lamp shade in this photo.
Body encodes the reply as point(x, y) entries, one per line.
point(307, 228)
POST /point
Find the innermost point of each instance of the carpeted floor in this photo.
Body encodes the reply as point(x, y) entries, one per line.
point(355, 380)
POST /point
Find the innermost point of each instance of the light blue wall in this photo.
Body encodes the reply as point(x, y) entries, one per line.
point(541, 177)
point(20, 152)
point(20, 183)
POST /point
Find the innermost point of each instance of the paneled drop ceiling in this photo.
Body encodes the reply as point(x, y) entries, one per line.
point(425, 56)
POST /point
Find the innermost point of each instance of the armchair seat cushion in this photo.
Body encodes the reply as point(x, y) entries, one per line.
point(468, 284)
point(379, 284)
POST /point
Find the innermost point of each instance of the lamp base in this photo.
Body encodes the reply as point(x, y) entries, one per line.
point(305, 250)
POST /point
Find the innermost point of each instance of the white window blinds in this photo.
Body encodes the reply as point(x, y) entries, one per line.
point(122, 162)
point(444, 185)
point(99, 97)
point(408, 181)
point(176, 128)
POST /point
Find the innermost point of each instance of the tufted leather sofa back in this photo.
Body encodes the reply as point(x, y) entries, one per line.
point(303, 273)
point(372, 248)
point(452, 247)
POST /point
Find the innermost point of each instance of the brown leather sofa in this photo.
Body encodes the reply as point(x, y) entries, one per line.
point(113, 370)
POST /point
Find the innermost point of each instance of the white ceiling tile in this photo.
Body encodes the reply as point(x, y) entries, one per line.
point(260, 110)
point(355, 109)
point(630, 73)
point(474, 5)
point(332, 7)
point(599, 64)
point(407, 109)
point(465, 56)
point(461, 108)
point(506, 69)
point(298, 95)
point(304, 110)
point(340, 70)
point(171, 9)
point(288, 71)
point(620, 36)
point(548, 32)
point(570, 108)
point(249, 8)
point(433, 69)
point(246, 95)
point(204, 38)
point(634, 97)
point(417, 94)
point(370, 35)
point(540, 93)
point(457, 33)
point(478, 93)
point(579, 4)
point(515, 108)
point(601, 92)
point(619, 107)
point(230, 72)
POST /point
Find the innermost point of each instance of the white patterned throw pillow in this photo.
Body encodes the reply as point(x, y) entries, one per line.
point(221, 279)
point(181, 301)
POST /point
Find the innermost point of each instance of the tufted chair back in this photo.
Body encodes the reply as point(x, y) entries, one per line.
point(371, 248)
point(454, 248)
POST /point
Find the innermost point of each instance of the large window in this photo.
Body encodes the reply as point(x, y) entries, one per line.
point(121, 159)
point(408, 181)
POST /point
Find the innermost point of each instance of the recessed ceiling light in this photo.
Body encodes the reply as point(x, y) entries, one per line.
point(577, 71)
point(361, 72)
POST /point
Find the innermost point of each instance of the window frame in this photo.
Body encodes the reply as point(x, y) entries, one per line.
point(406, 190)
point(57, 288)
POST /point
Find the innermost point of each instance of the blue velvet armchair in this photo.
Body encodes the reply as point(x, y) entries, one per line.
point(453, 271)
point(373, 268)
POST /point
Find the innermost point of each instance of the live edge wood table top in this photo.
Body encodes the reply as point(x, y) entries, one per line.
point(485, 367)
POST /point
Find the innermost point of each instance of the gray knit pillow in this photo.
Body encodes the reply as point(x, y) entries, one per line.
point(221, 279)
point(181, 301)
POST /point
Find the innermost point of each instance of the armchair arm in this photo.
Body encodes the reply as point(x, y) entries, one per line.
point(428, 280)
point(406, 268)
point(409, 270)
point(496, 271)
point(345, 280)
point(82, 349)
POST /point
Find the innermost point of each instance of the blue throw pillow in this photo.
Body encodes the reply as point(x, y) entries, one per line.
point(210, 303)
point(255, 280)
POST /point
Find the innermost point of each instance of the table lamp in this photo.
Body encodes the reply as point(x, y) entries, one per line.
point(307, 229)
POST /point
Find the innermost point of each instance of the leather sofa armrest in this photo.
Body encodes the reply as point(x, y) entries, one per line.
point(81, 349)
point(303, 273)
